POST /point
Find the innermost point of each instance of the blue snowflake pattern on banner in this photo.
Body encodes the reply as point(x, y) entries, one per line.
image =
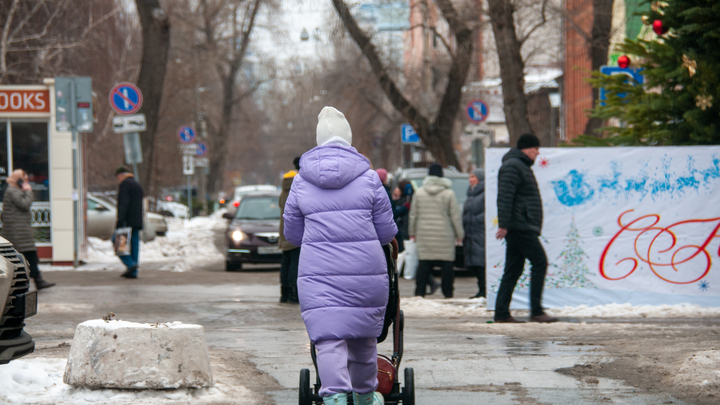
point(703, 285)
point(598, 231)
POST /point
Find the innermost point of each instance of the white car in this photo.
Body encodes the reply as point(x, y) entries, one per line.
point(172, 209)
point(242, 190)
point(101, 216)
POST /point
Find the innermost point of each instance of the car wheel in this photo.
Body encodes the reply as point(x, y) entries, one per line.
point(232, 266)
point(160, 233)
point(166, 213)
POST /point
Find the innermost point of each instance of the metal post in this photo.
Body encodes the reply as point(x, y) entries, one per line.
point(76, 181)
point(135, 152)
point(189, 197)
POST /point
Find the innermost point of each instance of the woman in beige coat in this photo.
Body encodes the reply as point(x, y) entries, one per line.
point(436, 225)
point(16, 220)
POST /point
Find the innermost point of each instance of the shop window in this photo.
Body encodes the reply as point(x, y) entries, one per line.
point(30, 153)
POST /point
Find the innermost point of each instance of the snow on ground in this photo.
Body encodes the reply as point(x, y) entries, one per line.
point(417, 306)
point(40, 381)
point(187, 243)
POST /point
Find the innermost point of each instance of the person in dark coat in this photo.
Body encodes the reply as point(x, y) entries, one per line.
point(290, 252)
point(401, 212)
point(520, 218)
point(130, 214)
point(474, 225)
point(16, 223)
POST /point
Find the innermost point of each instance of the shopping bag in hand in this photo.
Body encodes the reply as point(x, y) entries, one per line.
point(411, 260)
point(122, 241)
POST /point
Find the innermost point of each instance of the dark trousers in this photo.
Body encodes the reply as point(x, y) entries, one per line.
point(289, 270)
point(480, 274)
point(422, 279)
point(32, 260)
point(521, 246)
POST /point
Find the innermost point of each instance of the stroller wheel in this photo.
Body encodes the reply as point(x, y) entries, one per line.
point(305, 390)
point(409, 388)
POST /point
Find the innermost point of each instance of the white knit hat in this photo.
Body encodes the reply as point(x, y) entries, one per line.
point(332, 126)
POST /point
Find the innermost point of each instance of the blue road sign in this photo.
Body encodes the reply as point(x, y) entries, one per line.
point(408, 134)
point(126, 98)
point(633, 73)
point(186, 134)
point(201, 149)
point(477, 111)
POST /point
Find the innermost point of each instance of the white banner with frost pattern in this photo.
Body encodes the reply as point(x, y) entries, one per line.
point(637, 225)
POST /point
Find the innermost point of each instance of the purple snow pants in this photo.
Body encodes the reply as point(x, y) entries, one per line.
point(347, 365)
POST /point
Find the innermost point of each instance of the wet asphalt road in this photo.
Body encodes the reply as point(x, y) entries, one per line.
point(240, 314)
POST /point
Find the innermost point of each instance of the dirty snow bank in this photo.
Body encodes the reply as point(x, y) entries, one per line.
point(417, 306)
point(186, 244)
point(39, 381)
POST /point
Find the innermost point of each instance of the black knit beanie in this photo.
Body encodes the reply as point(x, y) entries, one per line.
point(122, 169)
point(296, 162)
point(435, 170)
point(528, 141)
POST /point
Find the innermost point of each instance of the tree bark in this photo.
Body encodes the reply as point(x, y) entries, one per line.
point(599, 47)
point(436, 135)
point(511, 68)
point(156, 43)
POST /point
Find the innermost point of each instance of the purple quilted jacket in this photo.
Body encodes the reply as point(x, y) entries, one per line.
point(340, 215)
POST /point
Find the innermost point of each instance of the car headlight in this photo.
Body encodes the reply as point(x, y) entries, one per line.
point(237, 235)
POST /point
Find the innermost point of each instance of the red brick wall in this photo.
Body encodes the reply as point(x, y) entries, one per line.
point(577, 93)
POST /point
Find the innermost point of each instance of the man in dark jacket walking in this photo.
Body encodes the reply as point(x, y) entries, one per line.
point(474, 225)
point(520, 218)
point(130, 214)
point(290, 252)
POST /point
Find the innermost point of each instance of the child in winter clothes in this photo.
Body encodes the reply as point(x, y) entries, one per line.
point(340, 215)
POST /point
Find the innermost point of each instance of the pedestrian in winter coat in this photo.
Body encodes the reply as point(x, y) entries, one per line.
point(16, 223)
point(401, 212)
point(474, 226)
point(520, 218)
point(339, 214)
point(290, 252)
point(130, 214)
point(436, 225)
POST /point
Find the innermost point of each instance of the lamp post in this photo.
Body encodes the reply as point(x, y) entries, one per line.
point(201, 126)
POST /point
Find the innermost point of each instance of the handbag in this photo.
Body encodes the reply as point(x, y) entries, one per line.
point(386, 374)
point(121, 241)
point(411, 260)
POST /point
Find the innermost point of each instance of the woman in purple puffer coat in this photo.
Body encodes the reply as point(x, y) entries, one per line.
point(339, 214)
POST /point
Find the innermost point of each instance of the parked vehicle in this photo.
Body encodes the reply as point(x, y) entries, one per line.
point(252, 234)
point(102, 213)
point(16, 304)
point(460, 184)
point(172, 209)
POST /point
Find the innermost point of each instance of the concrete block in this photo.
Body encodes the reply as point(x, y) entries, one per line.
point(119, 354)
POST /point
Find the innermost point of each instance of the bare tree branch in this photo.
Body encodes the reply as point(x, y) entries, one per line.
point(542, 22)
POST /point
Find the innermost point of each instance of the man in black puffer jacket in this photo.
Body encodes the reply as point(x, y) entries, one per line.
point(130, 214)
point(520, 219)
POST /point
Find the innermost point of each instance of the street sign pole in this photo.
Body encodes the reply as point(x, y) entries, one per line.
point(189, 197)
point(77, 190)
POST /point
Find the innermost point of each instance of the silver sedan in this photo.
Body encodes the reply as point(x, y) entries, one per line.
point(101, 216)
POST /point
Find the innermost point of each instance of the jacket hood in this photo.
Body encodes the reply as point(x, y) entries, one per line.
point(471, 192)
point(516, 153)
point(332, 166)
point(434, 184)
point(287, 183)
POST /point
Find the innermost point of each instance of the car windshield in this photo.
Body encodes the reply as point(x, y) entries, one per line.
point(459, 186)
point(258, 208)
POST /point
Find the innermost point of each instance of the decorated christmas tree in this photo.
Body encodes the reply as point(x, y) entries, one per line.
point(572, 272)
point(679, 103)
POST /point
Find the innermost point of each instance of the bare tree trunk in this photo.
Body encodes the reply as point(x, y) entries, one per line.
point(511, 68)
point(435, 135)
point(156, 43)
point(601, 32)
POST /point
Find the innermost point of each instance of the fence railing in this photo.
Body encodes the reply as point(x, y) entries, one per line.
point(40, 221)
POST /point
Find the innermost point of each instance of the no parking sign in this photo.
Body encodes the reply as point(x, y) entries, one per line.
point(126, 98)
point(477, 111)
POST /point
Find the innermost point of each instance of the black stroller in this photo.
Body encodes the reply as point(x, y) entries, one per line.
point(309, 394)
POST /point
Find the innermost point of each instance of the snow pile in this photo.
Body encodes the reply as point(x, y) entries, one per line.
point(701, 370)
point(639, 311)
point(417, 306)
point(39, 381)
point(186, 244)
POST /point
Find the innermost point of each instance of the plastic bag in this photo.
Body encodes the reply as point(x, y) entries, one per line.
point(410, 260)
point(121, 241)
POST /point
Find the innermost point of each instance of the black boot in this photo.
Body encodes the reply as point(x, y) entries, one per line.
point(42, 284)
point(131, 272)
point(293, 296)
point(284, 294)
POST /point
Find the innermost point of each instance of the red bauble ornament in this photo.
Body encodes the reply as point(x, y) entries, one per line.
point(623, 62)
point(659, 28)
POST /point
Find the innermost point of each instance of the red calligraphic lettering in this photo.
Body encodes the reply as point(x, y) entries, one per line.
point(661, 249)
